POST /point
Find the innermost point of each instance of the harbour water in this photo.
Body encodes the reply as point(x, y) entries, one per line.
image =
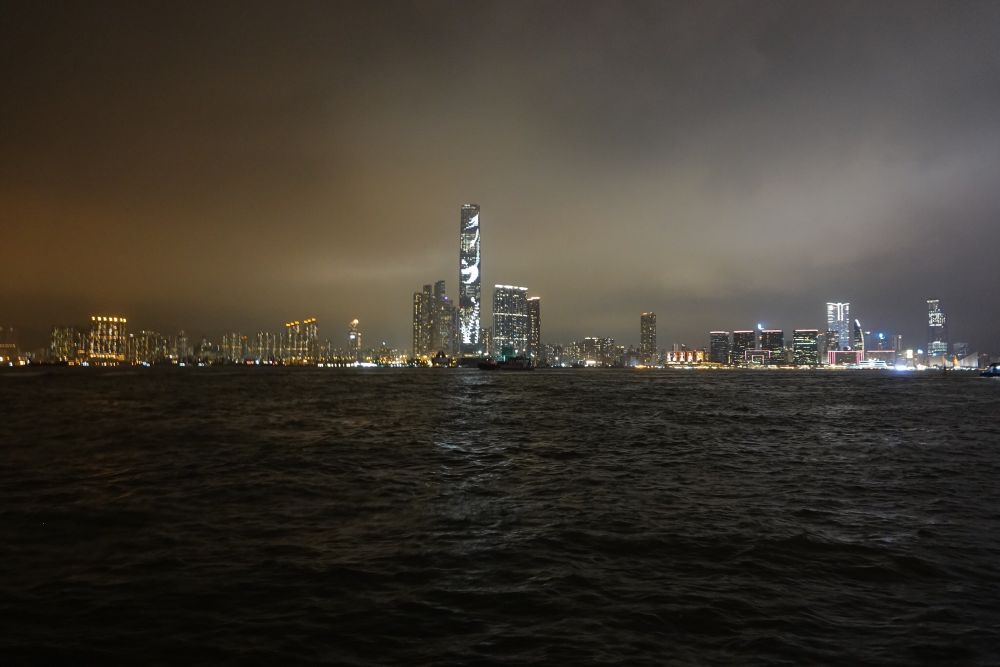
point(287, 516)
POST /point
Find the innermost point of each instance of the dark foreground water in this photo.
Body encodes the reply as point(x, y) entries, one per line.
point(282, 516)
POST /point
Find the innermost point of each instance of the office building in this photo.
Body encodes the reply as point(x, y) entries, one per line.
point(773, 341)
point(838, 326)
point(937, 329)
point(535, 351)
point(743, 341)
point(106, 343)
point(647, 338)
point(510, 320)
point(805, 347)
point(469, 281)
point(718, 347)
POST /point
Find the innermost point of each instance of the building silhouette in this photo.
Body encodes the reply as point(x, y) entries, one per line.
point(718, 347)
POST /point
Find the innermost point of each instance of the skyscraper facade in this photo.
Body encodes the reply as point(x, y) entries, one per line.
point(535, 351)
point(805, 347)
point(510, 319)
point(469, 281)
point(442, 321)
point(647, 338)
point(742, 341)
point(838, 326)
point(773, 340)
point(354, 341)
point(718, 347)
point(937, 329)
point(106, 343)
point(421, 322)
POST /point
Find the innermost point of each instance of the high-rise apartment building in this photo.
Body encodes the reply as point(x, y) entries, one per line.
point(442, 322)
point(805, 347)
point(743, 341)
point(300, 341)
point(106, 342)
point(838, 326)
point(66, 344)
point(469, 281)
point(937, 329)
point(647, 338)
point(535, 351)
point(510, 319)
point(718, 347)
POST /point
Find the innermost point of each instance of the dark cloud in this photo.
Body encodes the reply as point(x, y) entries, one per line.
point(219, 166)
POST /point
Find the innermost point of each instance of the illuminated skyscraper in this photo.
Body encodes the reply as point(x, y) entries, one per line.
point(718, 347)
point(106, 343)
point(838, 320)
point(535, 351)
point(937, 329)
point(66, 344)
point(421, 322)
point(469, 281)
point(647, 338)
point(442, 321)
point(354, 341)
point(510, 319)
point(743, 341)
point(805, 348)
point(773, 340)
point(300, 341)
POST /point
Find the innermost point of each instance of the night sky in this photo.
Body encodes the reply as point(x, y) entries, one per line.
point(232, 166)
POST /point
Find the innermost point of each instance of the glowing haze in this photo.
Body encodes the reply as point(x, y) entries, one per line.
point(233, 166)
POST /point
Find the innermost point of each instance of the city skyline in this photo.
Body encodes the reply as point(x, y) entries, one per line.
point(783, 159)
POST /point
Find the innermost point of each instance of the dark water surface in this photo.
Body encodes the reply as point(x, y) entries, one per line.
point(281, 516)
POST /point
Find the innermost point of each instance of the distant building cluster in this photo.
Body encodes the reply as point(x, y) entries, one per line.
point(449, 332)
point(108, 342)
point(446, 333)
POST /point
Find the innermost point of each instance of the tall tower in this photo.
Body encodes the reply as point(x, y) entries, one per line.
point(469, 281)
point(535, 328)
point(647, 338)
point(937, 329)
point(354, 341)
point(510, 320)
point(838, 321)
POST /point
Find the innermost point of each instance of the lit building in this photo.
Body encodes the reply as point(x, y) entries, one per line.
point(300, 341)
point(838, 326)
point(743, 342)
point(937, 329)
point(469, 281)
point(510, 320)
point(106, 341)
point(422, 322)
point(718, 347)
point(858, 337)
point(647, 338)
point(354, 341)
point(66, 344)
point(264, 348)
point(442, 321)
point(773, 341)
point(535, 350)
point(805, 347)
point(146, 347)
